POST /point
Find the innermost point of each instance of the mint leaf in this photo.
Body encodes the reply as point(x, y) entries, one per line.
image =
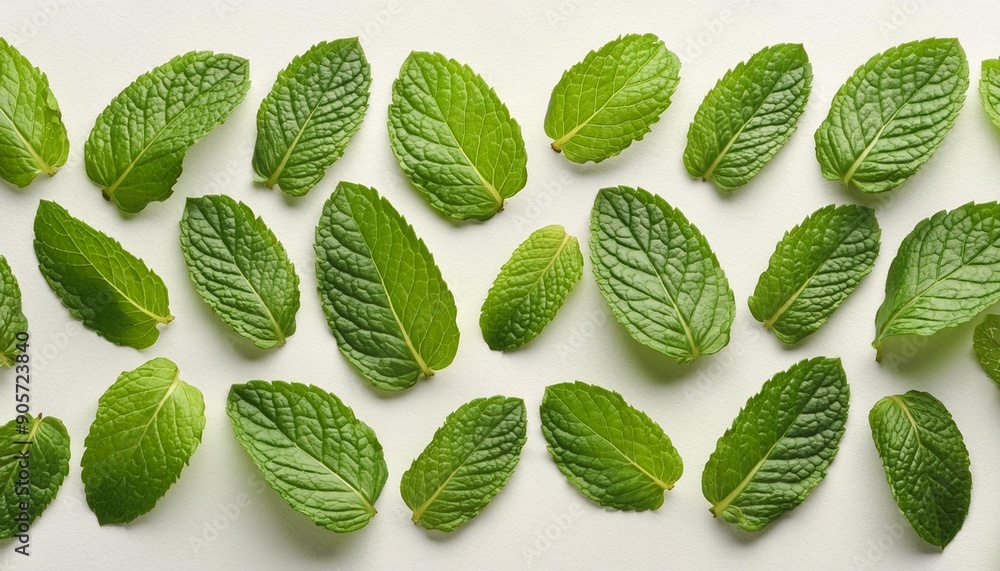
point(135, 152)
point(312, 112)
point(748, 116)
point(779, 446)
point(454, 139)
point(815, 266)
point(611, 98)
point(989, 89)
point(12, 319)
point(384, 298)
point(311, 449)
point(45, 443)
point(926, 463)
point(467, 463)
point(659, 275)
point(531, 288)
point(148, 425)
point(32, 134)
point(610, 451)
point(240, 269)
point(887, 120)
point(108, 289)
point(946, 272)
point(986, 342)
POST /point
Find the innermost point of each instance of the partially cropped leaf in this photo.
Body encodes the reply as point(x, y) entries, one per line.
point(148, 425)
point(135, 152)
point(108, 289)
point(926, 463)
point(986, 342)
point(311, 449)
point(659, 275)
point(780, 445)
point(611, 98)
point(454, 138)
point(815, 266)
point(384, 298)
point(240, 269)
point(312, 112)
point(613, 453)
point(467, 463)
point(946, 272)
point(892, 114)
point(989, 89)
point(32, 135)
point(748, 116)
point(531, 288)
point(12, 319)
point(43, 443)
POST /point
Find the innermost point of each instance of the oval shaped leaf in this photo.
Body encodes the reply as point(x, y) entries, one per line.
point(12, 319)
point(986, 343)
point(989, 89)
point(43, 442)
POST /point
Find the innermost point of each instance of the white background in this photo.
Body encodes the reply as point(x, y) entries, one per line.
point(220, 514)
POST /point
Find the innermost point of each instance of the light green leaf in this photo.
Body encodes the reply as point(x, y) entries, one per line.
point(780, 445)
point(32, 135)
point(311, 449)
point(148, 425)
point(926, 463)
point(467, 463)
point(135, 152)
point(989, 89)
point(815, 266)
point(892, 114)
point(384, 298)
point(44, 443)
point(12, 319)
point(312, 112)
point(748, 116)
point(659, 275)
point(108, 289)
point(454, 139)
point(240, 269)
point(531, 288)
point(986, 342)
point(611, 98)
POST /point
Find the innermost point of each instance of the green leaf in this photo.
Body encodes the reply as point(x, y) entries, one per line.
point(946, 272)
point(311, 449)
point(44, 442)
point(240, 269)
point(12, 319)
point(815, 266)
point(135, 152)
point(530, 288)
point(32, 135)
point(611, 98)
point(385, 300)
point(986, 342)
point(612, 452)
point(312, 112)
point(454, 139)
point(467, 463)
point(108, 289)
point(748, 116)
point(892, 114)
point(780, 445)
point(148, 425)
point(989, 89)
point(926, 463)
point(659, 275)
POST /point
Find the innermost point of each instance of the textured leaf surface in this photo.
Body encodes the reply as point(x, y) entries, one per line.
point(613, 453)
point(815, 266)
point(311, 449)
point(531, 288)
point(611, 98)
point(892, 114)
point(926, 463)
point(135, 152)
point(989, 89)
point(467, 463)
point(748, 116)
point(312, 112)
point(659, 275)
point(385, 300)
point(12, 319)
point(108, 289)
point(454, 138)
point(779, 446)
point(986, 342)
point(240, 269)
point(45, 444)
point(148, 425)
